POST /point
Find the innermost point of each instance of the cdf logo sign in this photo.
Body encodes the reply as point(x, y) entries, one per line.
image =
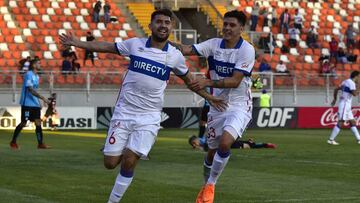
point(274, 117)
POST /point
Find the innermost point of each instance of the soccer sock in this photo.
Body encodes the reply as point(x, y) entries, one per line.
point(17, 132)
point(39, 134)
point(259, 145)
point(201, 131)
point(219, 163)
point(334, 132)
point(122, 182)
point(207, 169)
point(355, 132)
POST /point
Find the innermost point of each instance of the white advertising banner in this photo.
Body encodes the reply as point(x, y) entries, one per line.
point(69, 118)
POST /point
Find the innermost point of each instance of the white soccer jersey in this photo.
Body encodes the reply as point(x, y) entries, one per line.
point(223, 62)
point(346, 87)
point(143, 87)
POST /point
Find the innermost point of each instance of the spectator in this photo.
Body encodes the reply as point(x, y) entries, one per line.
point(254, 16)
point(298, 20)
point(66, 52)
point(293, 35)
point(96, 12)
point(284, 21)
point(311, 38)
point(273, 16)
point(325, 67)
point(341, 56)
point(75, 66)
point(24, 64)
point(266, 43)
point(333, 47)
point(89, 54)
point(351, 56)
point(264, 66)
point(264, 99)
point(281, 67)
point(350, 34)
point(66, 66)
point(107, 9)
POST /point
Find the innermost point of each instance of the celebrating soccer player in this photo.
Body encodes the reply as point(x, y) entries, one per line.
point(231, 60)
point(136, 118)
point(348, 90)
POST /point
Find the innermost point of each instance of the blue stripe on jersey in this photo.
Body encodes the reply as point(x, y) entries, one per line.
point(223, 69)
point(237, 46)
point(149, 67)
point(346, 89)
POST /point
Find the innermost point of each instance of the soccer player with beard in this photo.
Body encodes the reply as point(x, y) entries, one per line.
point(136, 118)
point(348, 90)
point(231, 60)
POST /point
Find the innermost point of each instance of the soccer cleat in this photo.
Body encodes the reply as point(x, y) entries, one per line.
point(209, 193)
point(43, 146)
point(14, 146)
point(270, 145)
point(199, 198)
point(332, 142)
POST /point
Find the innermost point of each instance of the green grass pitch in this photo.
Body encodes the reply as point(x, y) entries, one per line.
point(302, 169)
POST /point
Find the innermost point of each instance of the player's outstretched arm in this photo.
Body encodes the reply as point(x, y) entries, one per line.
point(336, 90)
point(231, 82)
point(68, 39)
point(218, 103)
point(36, 94)
point(185, 49)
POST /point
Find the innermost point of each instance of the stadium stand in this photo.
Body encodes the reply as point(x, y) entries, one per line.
point(31, 28)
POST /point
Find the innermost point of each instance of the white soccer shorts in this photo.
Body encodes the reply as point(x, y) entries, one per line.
point(234, 122)
point(136, 135)
point(344, 111)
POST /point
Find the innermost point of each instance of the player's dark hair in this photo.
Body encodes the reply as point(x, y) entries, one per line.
point(239, 15)
point(354, 74)
point(165, 12)
point(32, 63)
point(191, 139)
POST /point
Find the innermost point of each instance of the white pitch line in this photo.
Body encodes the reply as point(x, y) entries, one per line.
point(27, 196)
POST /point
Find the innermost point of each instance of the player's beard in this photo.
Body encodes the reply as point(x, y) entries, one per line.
point(157, 38)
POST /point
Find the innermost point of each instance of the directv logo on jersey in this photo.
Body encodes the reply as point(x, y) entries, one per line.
point(149, 67)
point(223, 70)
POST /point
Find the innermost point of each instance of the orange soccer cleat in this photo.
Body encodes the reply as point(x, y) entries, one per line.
point(199, 198)
point(209, 192)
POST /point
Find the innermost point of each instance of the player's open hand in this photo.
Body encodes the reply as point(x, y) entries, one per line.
point(218, 103)
point(198, 84)
point(67, 40)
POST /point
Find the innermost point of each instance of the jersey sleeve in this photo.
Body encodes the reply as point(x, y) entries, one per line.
point(180, 68)
point(246, 61)
point(123, 48)
point(28, 80)
point(352, 86)
point(205, 48)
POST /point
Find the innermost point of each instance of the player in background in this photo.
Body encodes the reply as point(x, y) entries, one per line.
point(136, 118)
point(198, 143)
point(231, 60)
point(348, 90)
point(52, 112)
point(30, 105)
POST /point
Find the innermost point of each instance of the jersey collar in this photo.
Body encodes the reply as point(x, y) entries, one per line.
point(237, 46)
point(148, 44)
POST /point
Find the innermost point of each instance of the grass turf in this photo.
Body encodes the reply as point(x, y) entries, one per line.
point(302, 169)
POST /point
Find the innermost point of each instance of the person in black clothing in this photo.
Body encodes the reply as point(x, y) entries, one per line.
point(52, 112)
point(96, 12)
point(106, 8)
point(89, 54)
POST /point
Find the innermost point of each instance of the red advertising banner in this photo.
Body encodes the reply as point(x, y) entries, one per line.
point(322, 117)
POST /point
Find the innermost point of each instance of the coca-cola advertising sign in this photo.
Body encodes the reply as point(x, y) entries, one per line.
point(322, 117)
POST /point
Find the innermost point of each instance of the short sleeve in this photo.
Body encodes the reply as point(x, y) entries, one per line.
point(123, 48)
point(246, 61)
point(205, 48)
point(28, 80)
point(352, 86)
point(180, 68)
